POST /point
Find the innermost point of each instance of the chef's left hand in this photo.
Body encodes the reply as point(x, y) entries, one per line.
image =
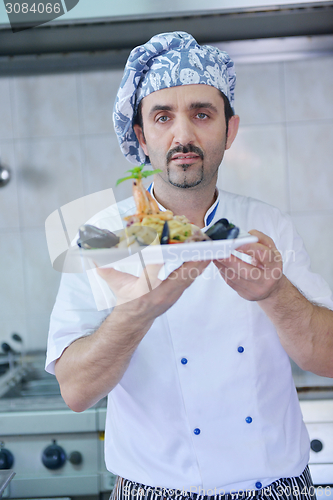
point(258, 280)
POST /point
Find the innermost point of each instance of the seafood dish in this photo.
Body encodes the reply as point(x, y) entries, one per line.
point(151, 226)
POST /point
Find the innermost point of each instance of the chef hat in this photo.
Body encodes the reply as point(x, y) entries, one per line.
point(167, 60)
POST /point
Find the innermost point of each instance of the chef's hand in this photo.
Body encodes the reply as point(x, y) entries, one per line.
point(258, 280)
point(147, 296)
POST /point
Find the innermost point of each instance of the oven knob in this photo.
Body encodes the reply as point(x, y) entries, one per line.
point(75, 458)
point(316, 445)
point(6, 459)
point(54, 456)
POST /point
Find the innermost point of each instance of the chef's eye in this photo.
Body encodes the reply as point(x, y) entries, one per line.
point(202, 116)
point(163, 118)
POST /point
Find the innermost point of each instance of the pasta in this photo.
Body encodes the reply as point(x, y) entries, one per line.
point(149, 215)
point(179, 227)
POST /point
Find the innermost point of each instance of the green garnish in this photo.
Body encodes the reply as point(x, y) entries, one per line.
point(138, 174)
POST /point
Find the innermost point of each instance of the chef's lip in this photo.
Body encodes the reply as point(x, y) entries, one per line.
point(181, 156)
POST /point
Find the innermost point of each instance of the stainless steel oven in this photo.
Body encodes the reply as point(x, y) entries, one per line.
point(316, 399)
point(53, 451)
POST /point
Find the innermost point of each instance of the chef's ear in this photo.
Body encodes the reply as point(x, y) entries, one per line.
point(232, 130)
point(141, 137)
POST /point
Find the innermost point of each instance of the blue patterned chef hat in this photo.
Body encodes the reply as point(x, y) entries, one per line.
point(167, 60)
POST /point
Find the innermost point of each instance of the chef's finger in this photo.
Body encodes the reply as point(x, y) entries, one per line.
point(152, 272)
point(235, 268)
point(261, 254)
point(150, 275)
point(263, 238)
point(188, 272)
point(115, 279)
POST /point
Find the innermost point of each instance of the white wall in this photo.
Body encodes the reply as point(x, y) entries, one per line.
point(56, 135)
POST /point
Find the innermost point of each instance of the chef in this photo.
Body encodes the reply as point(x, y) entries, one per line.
point(201, 400)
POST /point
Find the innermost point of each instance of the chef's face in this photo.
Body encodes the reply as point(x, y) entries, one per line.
point(184, 133)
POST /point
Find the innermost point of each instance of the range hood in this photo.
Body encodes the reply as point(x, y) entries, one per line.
point(110, 28)
point(81, 11)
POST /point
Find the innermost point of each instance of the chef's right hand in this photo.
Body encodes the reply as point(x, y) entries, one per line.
point(148, 296)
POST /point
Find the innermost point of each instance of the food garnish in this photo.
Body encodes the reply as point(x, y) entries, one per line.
point(145, 203)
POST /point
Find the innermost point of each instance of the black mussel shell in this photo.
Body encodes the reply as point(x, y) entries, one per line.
point(222, 230)
point(165, 237)
point(93, 237)
point(219, 230)
point(233, 232)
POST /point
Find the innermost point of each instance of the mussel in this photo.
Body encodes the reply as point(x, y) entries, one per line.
point(222, 230)
point(233, 232)
point(165, 236)
point(93, 237)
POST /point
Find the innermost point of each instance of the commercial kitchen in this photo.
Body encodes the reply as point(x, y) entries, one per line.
point(58, 82)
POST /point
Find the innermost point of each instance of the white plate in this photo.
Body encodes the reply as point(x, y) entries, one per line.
point(77, 260)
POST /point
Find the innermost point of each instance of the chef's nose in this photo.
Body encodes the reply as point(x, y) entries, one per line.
point(183, 131)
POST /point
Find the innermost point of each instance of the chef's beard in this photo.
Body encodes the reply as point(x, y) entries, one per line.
point(185, 183)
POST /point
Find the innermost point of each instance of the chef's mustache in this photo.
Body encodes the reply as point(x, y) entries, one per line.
point(190, 148)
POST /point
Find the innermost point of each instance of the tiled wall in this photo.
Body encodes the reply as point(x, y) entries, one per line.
point(283, 153)
point(56, 135)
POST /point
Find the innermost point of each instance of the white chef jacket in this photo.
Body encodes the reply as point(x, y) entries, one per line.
point(207, 403)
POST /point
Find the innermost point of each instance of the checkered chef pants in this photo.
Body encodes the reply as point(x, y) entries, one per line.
point(294, 488)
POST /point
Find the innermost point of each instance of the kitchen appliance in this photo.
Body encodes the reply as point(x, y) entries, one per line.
point(101, 34)
point(53, 451)
point(56, 452)
point(5, 477)
point(316, 399)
